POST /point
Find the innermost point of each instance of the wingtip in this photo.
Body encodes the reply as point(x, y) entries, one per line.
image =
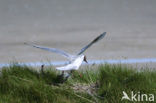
point(104, 33)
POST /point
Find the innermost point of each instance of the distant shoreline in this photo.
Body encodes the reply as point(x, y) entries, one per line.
point(90, 62)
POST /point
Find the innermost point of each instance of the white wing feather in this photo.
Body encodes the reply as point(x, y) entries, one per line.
point(67, 67)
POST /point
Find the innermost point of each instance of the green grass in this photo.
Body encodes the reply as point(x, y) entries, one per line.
point(102, 84)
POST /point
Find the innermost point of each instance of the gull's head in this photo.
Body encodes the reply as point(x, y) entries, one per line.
point(85, 59)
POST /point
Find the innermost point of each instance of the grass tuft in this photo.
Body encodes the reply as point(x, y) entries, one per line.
point(101, 83)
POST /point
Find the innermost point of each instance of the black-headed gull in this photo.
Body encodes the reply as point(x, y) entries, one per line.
point(75, 60)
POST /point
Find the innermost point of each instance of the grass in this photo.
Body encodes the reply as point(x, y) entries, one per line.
point(101, 84)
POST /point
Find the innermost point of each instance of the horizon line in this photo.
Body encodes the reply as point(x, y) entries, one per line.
point(90, 62)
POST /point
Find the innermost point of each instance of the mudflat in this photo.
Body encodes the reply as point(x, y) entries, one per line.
point(70, 25)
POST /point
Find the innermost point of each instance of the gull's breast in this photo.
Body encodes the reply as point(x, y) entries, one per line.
point(78, 62)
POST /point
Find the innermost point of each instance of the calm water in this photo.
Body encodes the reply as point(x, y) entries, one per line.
point(71, 24)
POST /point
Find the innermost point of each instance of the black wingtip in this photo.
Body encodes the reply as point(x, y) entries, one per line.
point(104, 33)
point(99, 37)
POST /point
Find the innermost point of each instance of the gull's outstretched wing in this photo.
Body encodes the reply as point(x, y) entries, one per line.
point(61, 52)
point(94, 41)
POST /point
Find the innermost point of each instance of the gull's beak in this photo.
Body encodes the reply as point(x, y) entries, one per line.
point(85, 59)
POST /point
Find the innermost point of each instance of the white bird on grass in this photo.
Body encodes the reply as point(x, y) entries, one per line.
point(75, 60)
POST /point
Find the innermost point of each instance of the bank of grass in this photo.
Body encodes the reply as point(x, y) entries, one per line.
point(101, 84)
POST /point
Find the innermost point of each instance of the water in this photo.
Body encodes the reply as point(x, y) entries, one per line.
point(69, 25)
point(90, 62)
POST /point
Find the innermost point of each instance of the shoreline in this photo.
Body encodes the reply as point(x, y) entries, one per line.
point(90, 62)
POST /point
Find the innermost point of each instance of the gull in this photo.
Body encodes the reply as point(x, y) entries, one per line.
point(75, 60)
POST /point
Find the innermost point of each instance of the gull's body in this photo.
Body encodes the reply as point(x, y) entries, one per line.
point(75, 60)
point(74, 65)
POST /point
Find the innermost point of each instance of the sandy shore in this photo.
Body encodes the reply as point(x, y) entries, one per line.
point(70, 25)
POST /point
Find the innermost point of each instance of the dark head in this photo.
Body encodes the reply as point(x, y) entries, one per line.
point(85, 59)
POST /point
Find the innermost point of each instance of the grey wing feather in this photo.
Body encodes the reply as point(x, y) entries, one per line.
point(61, 52)
point(94, 41)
